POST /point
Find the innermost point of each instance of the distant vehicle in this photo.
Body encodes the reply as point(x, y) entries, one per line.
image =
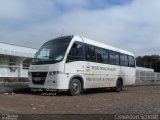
point(76, 63)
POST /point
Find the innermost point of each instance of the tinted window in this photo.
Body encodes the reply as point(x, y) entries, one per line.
point(114, 58)
point(99, 55)
point(131, 61)
point(123, 60)
point(76, 52)
point(90, 53)
point(106, 56)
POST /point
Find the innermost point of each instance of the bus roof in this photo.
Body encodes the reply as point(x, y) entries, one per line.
point(103, 45)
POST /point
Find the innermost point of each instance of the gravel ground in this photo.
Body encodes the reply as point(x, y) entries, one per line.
point(132, 100)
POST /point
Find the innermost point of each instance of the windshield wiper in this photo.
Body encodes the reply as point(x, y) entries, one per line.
point(47, 57)
point(45, 60)
point(36, 59)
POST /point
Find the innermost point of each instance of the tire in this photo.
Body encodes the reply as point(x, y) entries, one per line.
point(119, 86)
point(75, 88)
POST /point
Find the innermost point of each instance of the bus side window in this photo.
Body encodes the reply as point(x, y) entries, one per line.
point(114, 58)
point(99, 55)
point(123, 60)
point(90, 53)
point(76, 52)
point(106, 56)
point(131, 61)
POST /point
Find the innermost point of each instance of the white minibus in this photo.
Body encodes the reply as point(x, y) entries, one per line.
point(75, 63)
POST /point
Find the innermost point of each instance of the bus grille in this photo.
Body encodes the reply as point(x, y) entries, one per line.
point(39, 77)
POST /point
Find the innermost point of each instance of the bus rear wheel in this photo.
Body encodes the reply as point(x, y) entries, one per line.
point(75, 87)
point(119, 86)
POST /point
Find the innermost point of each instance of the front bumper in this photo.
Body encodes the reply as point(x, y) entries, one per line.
point(58, 81)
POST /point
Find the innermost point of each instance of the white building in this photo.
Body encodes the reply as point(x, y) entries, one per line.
point(15, 60)
point(144, 69)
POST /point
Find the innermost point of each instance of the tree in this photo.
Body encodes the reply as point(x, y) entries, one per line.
point(147, 61)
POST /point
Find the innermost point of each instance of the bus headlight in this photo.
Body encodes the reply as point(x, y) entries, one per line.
point(54, 73)
point(51, 73)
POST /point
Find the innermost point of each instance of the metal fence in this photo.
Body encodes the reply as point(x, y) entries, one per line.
point(147, 76)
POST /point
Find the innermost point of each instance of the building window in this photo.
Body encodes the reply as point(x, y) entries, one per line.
point(12, 64)
point(4, 61)
point(26, 63)
point(12, 61)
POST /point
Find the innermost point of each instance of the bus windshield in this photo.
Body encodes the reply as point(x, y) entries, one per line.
point(52, 51)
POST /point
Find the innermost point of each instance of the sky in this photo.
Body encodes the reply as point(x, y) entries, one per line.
point(132, 25)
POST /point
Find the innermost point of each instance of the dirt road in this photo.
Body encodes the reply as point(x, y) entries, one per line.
point(132, 100)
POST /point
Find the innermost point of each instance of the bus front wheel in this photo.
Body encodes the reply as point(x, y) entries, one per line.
point(75, 87)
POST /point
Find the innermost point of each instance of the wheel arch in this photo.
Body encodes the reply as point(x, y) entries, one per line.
point(121, 79)
point(79, 77)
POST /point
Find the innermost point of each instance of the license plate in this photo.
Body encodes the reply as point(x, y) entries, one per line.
point(37, 78)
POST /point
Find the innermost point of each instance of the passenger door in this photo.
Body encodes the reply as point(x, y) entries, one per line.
point(91, 73)
point(75, 60)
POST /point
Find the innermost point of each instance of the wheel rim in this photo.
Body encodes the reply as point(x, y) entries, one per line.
point(75, 88)
point(119, 85)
